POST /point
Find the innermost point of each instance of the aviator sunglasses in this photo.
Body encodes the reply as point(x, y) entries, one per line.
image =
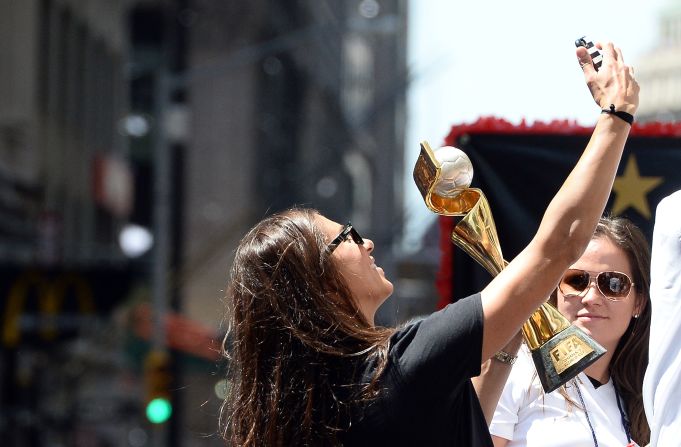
point(614, 286)
point(348, 230)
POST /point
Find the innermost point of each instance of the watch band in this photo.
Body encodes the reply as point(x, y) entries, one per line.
point(505, 357)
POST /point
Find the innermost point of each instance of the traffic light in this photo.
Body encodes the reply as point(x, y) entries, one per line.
point(158, 378)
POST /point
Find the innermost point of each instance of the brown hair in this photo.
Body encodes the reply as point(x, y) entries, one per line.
point(628, 364)
point(296, 339)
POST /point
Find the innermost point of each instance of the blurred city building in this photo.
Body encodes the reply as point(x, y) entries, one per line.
point(659, 70)
point(292, 103)
point(175, 124)
point(64, 180)
point(65, 191)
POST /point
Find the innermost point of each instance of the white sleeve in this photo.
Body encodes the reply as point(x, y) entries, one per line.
point(662, 384)
point(512, 398)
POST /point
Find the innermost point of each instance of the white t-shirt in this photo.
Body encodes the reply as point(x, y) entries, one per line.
point(526, 416)
point(662, 383)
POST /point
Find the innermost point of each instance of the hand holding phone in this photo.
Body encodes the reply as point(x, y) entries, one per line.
point(596, 56)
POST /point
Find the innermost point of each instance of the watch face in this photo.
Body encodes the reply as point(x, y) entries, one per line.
point(505, 357)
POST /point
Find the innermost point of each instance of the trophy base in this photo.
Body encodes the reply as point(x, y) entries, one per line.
point(564, 356)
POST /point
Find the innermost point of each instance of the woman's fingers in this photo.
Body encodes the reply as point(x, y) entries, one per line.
point(609, 53)
point(618, 52)
point(614, 83)
point(585, 62)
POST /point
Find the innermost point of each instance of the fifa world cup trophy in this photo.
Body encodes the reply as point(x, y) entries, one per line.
point(559, 350)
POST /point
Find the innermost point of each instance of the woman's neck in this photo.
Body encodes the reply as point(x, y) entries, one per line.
point(600, 369)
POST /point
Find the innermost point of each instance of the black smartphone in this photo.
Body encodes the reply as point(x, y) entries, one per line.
point(596, 56)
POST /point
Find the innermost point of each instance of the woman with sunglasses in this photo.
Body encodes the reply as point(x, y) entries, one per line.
point(605, 293)
point(309, 367)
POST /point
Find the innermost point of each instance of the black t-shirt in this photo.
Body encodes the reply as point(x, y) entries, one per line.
point(426, 396)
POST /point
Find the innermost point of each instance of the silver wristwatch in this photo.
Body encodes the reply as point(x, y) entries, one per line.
point(505, 357)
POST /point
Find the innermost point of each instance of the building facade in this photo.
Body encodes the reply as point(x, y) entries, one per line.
point(659, 70)
point(240, 109)
point(292, 103)
point(64, 94)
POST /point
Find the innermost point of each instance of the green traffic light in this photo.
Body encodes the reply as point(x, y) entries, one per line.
point(159, 410)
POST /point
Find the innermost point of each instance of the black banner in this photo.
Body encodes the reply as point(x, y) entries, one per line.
point(520, 169)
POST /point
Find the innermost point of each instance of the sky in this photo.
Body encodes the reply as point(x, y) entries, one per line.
point(511, 59)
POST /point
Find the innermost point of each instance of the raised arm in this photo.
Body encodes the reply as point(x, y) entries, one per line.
point(572, 215)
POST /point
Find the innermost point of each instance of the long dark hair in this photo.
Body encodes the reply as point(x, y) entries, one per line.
point(629, 361)
point(296, 339)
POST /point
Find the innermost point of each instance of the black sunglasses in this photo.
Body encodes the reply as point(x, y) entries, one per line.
point(348, 230)
point(615, 286)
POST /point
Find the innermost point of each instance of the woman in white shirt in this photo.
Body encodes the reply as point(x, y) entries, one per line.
point(606, 294)
point(662, 385)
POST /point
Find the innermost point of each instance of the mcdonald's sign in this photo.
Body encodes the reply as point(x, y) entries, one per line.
point(46, 305)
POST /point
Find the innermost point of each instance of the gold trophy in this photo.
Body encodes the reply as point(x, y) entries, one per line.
point(559, 350)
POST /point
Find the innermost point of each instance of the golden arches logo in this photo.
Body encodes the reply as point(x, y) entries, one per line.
point(51, 294)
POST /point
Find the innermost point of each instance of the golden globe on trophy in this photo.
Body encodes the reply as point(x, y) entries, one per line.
point(559, 350)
